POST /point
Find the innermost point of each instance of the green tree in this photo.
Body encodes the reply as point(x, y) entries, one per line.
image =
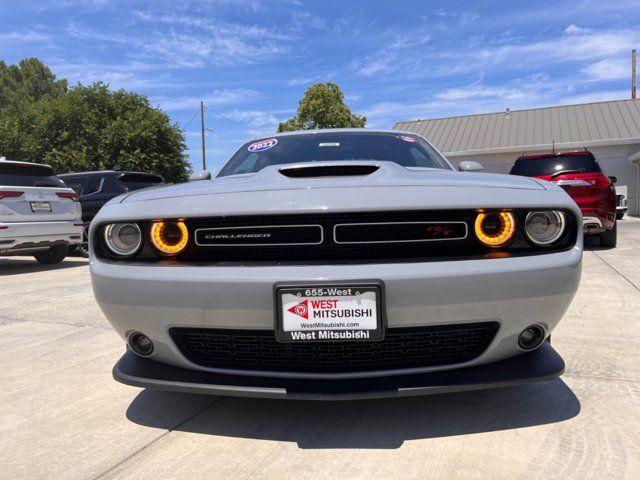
point(322, 106)
point(85, 127)
point(29, 81)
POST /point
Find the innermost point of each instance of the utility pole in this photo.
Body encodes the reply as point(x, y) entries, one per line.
point(633, 74)
point(204, 158)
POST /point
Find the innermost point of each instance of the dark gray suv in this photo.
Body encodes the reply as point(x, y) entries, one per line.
point(97, 188)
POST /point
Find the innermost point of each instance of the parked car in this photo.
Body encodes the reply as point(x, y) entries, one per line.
point(621, 202)
point(97, 188)
point(579, 173)
point(39, 214)
point(338, 263)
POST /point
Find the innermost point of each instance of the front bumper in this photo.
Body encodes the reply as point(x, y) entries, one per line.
point(541, 364)
point(515, 292)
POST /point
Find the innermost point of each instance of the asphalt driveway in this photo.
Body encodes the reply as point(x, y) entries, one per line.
point(62, 415)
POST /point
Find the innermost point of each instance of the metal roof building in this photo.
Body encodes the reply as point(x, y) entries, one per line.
point(611, 130)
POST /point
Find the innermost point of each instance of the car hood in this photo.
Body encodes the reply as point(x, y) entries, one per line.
point(388, 174)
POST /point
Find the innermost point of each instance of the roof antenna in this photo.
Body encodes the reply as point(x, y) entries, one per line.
point(553, 146)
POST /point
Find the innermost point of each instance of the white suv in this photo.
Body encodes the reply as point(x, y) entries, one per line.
point(39, 214)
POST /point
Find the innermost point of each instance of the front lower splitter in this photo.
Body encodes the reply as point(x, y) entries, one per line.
point(541, 364)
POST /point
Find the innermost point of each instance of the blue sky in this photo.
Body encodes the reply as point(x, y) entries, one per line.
point(251, 60)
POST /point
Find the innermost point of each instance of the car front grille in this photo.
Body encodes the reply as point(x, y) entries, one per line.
point(401, 348)
point(416, 235)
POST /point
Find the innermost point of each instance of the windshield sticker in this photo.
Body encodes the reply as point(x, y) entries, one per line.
point(329, 144)
point(407, 139)
point(263, 145)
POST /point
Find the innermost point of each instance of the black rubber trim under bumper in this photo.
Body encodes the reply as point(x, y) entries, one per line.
point(541, 364)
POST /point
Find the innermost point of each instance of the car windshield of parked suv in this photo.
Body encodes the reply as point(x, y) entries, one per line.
point(136, 181)
point(538, 167)
point(404, 149)
point(28, 175)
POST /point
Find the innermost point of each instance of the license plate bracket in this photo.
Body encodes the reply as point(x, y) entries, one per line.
point(40, 207)
point(344, 311)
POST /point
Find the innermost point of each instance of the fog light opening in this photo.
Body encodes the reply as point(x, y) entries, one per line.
point(140, 344)
point(531, 337)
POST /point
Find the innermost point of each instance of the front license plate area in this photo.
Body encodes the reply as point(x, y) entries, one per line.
point(341, 312)
point(40, 207)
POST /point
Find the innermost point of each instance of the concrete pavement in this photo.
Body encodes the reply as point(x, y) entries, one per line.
point(62, 416)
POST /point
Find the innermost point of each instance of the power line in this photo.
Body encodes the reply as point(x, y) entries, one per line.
point(236, 122)
point(192, 119)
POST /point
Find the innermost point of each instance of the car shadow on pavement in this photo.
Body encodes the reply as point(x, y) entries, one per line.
point(380, 424)
point(11, 266)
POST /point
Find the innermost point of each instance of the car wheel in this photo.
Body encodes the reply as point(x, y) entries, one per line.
point(53, 255)
point(619, 215)
point(610, 237)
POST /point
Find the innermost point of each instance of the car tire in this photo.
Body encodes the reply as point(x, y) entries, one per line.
point(619, 215)
point(53, 255)
point(609, 238)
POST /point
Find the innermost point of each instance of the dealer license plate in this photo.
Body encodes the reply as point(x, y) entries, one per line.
point(329, 313)
point(40, 207)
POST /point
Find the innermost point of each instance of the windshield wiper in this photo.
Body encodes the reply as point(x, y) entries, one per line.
point(562, 172)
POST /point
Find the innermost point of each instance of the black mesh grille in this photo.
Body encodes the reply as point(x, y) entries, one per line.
point(401, 348)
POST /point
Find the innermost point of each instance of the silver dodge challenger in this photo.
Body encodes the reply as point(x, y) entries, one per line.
point(338, 264)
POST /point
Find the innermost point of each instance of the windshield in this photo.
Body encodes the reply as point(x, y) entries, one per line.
point(403, 149)
point(539, 167)
point(28, 175)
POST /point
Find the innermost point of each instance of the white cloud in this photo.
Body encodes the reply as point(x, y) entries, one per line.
point(529, 92)
point(380, 62)
point(23, 36)
point(213, 99)
point(191, 42)
point(481, 92)
point(575, 30)
point(254, 118)
point(462, 18)
point(129, 75)
point(599, 96)
point(302, 20)
point(410, 41)
point(578, 46)
point(609, 69)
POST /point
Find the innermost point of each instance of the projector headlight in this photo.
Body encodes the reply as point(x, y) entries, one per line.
point(169, 238)
point(544, 227)
point(123, 239)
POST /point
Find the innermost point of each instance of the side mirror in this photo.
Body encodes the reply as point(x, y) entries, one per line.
point(468, 166)
point(203, 175)
point(614, 179)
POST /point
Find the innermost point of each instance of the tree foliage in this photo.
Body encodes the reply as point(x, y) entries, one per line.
point(322, 106)
point(84, 127)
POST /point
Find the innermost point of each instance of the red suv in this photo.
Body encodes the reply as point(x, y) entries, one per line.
point(580, 175)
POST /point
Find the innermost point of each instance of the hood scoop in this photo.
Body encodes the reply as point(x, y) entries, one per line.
point(324, 170)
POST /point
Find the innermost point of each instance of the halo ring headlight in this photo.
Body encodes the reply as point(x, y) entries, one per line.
point(495, 229)
point(544, 227)
point(123, 239)
point(169, 237)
